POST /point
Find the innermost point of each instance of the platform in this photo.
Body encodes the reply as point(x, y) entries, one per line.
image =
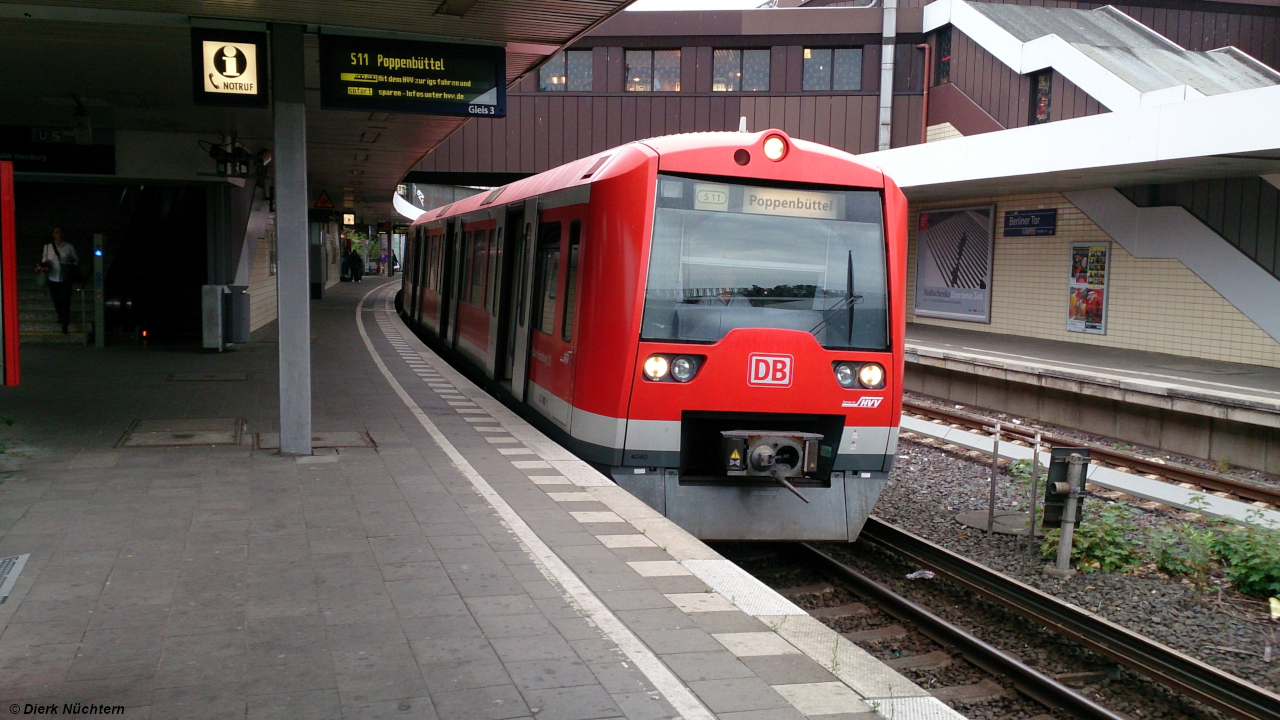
point(1181, 380)
point(463, 566)
point(1203, 408)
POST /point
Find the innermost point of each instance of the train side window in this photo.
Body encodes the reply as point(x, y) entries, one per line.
point(546, 262)
point(434, 250)
point(571, 282)
point(479, 254)
point(464, 280)
point(495, 263)
point(433, 259)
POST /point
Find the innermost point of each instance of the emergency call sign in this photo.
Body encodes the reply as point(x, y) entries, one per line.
point(227, 67)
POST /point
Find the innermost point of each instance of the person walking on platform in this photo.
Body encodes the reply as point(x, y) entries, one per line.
point(61, 267)
point(392, 265)
point(357, 265)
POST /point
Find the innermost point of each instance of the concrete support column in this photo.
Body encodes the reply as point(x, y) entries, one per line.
point(293, 264)
point(888, 46)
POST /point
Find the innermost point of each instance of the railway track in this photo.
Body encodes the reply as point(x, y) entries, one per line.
point(1212, 482)
point(1180, 673)
point(1030, 681)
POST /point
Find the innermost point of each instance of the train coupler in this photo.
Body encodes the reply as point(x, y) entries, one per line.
point(779, 456)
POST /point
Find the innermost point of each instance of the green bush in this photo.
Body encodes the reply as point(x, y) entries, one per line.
point(1252, 556)
point(1099, 543)
point(1183, 550)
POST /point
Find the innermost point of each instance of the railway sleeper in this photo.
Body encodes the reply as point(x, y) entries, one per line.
point(935, 660)
point(853, 609)
point(876, 635)
point(823, 590)
point(984, 690)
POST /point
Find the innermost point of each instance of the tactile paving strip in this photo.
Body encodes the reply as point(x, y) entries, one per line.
point(10, 569)
point(882, 690)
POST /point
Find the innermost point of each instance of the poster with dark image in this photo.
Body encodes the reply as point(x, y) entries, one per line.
point(953, 263)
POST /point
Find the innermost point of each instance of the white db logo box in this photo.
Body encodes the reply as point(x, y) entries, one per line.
point(769, 370)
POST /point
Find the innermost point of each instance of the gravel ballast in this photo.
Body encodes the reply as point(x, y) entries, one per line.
point(930, 486)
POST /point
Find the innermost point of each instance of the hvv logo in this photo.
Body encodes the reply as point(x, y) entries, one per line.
point(769, 370)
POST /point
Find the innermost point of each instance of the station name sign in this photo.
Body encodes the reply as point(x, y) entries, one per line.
point(410, 76)
point(1024, 223)
point(230, 67)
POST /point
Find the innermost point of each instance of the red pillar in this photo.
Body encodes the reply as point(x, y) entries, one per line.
point(8, 275)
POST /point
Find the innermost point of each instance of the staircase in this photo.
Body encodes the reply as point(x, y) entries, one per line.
point(37, 321)
point(1243, 211)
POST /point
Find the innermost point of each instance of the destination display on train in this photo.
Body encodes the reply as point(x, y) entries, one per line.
point(409, 76)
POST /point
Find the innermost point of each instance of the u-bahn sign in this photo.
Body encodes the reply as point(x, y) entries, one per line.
point(410, 76)
point(230, 67)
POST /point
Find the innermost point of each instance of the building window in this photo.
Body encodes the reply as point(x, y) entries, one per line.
point(832, 69)
point(1041, 96)
point(740, 71)
point(653, 70)
point(942, 73)
point(570, 70)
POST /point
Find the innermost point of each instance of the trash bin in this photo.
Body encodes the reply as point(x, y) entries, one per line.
point(212, 316)
point(236, 313)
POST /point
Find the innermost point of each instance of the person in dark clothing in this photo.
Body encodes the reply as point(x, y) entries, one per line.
point(357, 265)
point(392, 268)
point(61, 266)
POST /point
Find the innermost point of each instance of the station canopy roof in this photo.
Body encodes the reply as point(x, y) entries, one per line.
point(1166, 143)
point(128, 64)
point(1140, 56)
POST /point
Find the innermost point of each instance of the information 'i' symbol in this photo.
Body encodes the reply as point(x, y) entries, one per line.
point(230, 62)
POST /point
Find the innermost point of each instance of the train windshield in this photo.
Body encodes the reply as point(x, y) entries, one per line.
point(737, 256)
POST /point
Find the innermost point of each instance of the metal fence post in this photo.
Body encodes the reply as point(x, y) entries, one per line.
point(995, 469)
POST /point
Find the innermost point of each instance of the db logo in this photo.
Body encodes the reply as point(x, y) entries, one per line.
point(769, 370)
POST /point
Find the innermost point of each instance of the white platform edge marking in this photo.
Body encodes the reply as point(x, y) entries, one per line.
point(868, 677)
point(741, 588)
point(1163, 492)
point(881, 680)
point(552, 567)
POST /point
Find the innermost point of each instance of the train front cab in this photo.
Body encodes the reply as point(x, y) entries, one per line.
point(785, 298)
point(544, 288)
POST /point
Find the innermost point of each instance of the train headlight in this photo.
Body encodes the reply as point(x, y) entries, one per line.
point(775, 148)
point(846, 374)
point(656, 367)
point(871, 376)
point(683, 368)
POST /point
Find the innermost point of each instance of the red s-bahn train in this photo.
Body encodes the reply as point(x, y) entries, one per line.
point(716, 320)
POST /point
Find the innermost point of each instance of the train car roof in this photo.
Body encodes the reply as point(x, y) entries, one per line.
point(684, 152)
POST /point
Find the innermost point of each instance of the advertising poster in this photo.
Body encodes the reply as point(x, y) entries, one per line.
point(1087, 288)
point(953, 263)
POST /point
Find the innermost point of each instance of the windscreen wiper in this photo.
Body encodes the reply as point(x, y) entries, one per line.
point(848, 303)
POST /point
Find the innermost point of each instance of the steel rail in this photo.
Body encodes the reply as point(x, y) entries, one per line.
point(1201, 478)
point(1033, 683)
point(1231, 695)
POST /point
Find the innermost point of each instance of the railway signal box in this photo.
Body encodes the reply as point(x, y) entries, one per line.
point(1058, 488)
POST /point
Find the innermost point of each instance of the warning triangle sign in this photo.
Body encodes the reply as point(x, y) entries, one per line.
point(323, 202)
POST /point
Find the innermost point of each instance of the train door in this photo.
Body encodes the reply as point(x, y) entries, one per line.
point(509, 240)
point(518, 337)
point(416, 274)
point(473, 319)
point(554, 308)
point(448, 281)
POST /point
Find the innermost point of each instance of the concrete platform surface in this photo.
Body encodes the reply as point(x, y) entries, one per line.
point(1248, 386)
point(463, 567)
